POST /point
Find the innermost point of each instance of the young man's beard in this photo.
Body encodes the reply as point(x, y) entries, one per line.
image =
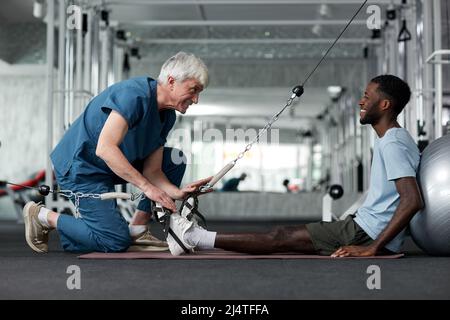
point(371, 116)
point(369, 119)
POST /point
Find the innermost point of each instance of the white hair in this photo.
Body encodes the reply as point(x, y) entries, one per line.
point(183, 66)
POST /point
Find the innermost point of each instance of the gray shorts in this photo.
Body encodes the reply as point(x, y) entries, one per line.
point(327, 237)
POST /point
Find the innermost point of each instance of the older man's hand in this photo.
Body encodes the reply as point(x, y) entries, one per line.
point(160, 196)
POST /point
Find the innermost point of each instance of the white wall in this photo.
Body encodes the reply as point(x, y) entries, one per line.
point(246, 206)
point(22, 121)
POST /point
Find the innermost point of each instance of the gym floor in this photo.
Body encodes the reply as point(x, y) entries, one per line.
point(28, 275)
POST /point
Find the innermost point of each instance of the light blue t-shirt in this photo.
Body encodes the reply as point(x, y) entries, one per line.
point(135, 100)
point(395, 156)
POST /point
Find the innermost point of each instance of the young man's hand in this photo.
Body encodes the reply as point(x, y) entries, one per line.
point(355, 251)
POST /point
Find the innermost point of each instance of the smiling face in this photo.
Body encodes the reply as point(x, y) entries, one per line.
point(184, 93)
point(371, 112)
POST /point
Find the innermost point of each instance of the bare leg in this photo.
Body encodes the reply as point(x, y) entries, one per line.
point(280, 239)
point(52, 219)
point(140, 218)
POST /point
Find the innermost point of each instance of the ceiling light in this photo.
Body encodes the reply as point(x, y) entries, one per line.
point(316, 29)
point(38, 8)
point(324, 10)
point(334, 91)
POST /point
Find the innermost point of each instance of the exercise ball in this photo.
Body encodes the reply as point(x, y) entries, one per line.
point(430, 228)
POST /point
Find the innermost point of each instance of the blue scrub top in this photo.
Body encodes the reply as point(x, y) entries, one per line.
point(135, 100)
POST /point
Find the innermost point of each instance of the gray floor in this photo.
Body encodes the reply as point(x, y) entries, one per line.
point(27, 275)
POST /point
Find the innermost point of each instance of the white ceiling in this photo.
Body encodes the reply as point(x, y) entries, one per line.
point(236, 32)
point(242, 30)
point(132, 11)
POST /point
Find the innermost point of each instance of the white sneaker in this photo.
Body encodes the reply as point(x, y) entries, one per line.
point(187, 210)
point(179, 226)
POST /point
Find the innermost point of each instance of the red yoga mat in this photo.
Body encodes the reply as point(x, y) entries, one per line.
point(215, 255)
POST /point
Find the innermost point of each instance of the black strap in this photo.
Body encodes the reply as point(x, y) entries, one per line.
point(194, 209)
point(178, 240)
point(164, 220)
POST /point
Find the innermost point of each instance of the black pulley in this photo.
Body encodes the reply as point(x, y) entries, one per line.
point(298, 90)
point(336, 191)
point(391, 13)
point(44, 190)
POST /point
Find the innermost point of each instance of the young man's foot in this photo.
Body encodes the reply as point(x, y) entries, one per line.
point(36, 234)
point(179, 226)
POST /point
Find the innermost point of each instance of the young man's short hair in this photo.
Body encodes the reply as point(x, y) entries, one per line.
point(394, 89)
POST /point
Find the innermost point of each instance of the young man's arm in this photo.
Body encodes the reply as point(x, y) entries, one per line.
point(410, 202)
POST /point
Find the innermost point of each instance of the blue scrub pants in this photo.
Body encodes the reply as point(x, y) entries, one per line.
point(102, 227)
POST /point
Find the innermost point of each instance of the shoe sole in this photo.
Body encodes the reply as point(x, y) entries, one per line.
point(138, 248)
point(144, 243)
point(27, 221)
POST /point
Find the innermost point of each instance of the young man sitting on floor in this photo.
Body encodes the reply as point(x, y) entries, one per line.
point(378, 227)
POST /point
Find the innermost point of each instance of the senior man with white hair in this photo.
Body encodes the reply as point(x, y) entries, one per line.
point(120, 138)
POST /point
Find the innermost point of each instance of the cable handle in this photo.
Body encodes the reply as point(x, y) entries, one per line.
point(217, 177)
point(116, 195)
point(120, 195)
